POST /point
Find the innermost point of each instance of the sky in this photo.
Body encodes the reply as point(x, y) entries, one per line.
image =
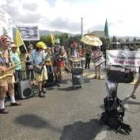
point(65, 15)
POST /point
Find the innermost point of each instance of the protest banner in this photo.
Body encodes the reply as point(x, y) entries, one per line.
point(6, 24)
point(123, 58)
point(29, 32)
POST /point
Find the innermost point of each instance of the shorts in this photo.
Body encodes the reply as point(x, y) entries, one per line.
point(7, 80)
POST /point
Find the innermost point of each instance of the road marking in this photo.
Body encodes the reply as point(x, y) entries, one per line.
point(102, 134)
point(103, 76)
point(85, 74)
point(91, 75)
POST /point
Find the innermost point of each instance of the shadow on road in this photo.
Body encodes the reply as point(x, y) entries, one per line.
point(65, 81)
point(81, 130)
point(69, 88)
point(86, 80)
point(34, 121)
point(66, 88)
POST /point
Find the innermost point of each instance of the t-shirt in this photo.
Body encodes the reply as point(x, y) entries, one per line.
point(37, 57)
point(16, 60)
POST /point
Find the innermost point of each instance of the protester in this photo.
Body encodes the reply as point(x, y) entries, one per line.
point(88, 58)
point(57, 60)
point(74, 49)
point(7, 80)
point(48, 60)
point(61, 63)
point(37, 58)
point(81, 54)
point(16, 60)
point(96, 55)
point(29, 66)
point(135, 87)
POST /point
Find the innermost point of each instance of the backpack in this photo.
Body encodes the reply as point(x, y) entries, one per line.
point(114, 113)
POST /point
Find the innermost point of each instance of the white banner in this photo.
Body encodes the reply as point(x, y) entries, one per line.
point(123, 58)
point(29, 33)
point(6, 24)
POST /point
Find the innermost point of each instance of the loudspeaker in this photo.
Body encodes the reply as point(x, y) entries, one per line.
point(24, 89)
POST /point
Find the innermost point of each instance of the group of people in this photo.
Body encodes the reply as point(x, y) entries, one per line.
point(37, 63)
point(34, 64)
point(88, 55)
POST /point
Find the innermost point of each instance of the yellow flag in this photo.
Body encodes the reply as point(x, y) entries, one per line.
point(18, 39)
point(52, 39)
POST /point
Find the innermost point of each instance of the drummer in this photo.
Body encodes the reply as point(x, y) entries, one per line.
point(74, 50)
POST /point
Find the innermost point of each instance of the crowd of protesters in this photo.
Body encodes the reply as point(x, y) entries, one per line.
point(39, 63)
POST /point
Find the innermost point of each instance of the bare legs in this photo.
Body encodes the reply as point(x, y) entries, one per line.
point(97, 72)
point(135, 87)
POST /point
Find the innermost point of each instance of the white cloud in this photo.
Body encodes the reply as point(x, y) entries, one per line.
point(122, 15)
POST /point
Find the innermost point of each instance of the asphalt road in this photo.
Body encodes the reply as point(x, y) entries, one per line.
point(67, 114)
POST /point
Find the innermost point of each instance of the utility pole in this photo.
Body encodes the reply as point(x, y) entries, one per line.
point(81, 27)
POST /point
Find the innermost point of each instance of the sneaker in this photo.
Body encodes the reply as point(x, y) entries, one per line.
point(15, 104)
point(43, 90)
point(41, 95)
point(99, 77)
point(133, 96)
point(3, 111)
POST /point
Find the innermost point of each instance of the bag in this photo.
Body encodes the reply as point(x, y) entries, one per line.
point(120, 77)
point(37, 70)
point(113, 115)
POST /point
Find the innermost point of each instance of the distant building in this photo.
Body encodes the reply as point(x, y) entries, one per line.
point(134, 45)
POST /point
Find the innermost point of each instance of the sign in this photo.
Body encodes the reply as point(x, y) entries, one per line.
point(6, 24)
point(29, 33)
point(123, 58)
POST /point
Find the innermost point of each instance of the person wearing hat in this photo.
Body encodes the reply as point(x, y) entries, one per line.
point(59, 59)
point(56, 49)
point(37, 59)
point(6, 79)
point(96, 55)
point(29, 66)
point(16, 60)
